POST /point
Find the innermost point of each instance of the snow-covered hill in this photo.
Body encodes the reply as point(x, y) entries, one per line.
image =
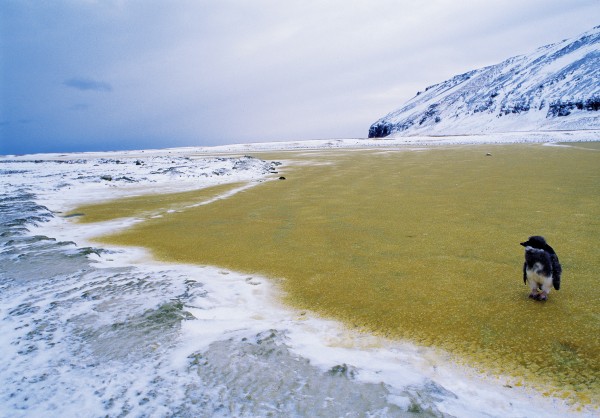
point(557, 87)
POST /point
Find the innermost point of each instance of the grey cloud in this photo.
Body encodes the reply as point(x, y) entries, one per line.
point(87, 84)
point(153, 73)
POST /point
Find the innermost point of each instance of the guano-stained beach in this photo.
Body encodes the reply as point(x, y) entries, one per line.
point(111, 330)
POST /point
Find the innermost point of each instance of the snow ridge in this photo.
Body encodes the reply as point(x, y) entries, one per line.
point(557, 87)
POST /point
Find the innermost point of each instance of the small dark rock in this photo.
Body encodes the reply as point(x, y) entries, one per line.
point(106, 177)
point(344, 370)
point(281, 178)
point(128, 179)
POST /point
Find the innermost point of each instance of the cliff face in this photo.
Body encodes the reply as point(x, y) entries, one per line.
point(556, 87)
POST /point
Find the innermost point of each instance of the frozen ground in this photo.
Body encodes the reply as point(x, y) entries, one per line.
point(89, 331)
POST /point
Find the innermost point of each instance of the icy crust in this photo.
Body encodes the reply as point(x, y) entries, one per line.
point(168, 156)
point(110, 333)
point(90, 331)
point(67, 180)
point(515, 136)
point(409, 141)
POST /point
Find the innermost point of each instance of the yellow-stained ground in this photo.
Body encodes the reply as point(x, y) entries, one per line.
point(420, 245)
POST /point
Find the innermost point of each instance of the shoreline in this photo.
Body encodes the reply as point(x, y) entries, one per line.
point(346, 340)
point(328, 343)
point(592, 135)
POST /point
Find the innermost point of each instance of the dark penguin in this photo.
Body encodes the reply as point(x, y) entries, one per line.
point(541, 269)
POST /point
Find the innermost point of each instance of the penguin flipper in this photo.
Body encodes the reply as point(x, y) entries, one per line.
point(556, 271)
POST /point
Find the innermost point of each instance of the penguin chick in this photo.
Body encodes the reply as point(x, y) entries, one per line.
point(541, 269)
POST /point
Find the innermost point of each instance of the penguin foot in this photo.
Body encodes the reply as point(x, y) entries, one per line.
point(538, 296)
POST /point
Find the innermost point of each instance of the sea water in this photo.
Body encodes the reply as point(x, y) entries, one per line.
point(92, 331)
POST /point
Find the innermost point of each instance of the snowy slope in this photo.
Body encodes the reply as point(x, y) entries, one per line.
point(557, 87)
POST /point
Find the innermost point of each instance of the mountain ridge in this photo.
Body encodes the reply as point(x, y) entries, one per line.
point(556, 87)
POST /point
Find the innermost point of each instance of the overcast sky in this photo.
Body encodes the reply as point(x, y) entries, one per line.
point(118, 74)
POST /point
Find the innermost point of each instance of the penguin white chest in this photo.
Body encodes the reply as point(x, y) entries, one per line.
point(535, 274)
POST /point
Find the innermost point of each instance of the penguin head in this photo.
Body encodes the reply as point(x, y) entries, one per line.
point(535, 241)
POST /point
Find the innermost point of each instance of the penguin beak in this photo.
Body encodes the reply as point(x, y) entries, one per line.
point(524, 244)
